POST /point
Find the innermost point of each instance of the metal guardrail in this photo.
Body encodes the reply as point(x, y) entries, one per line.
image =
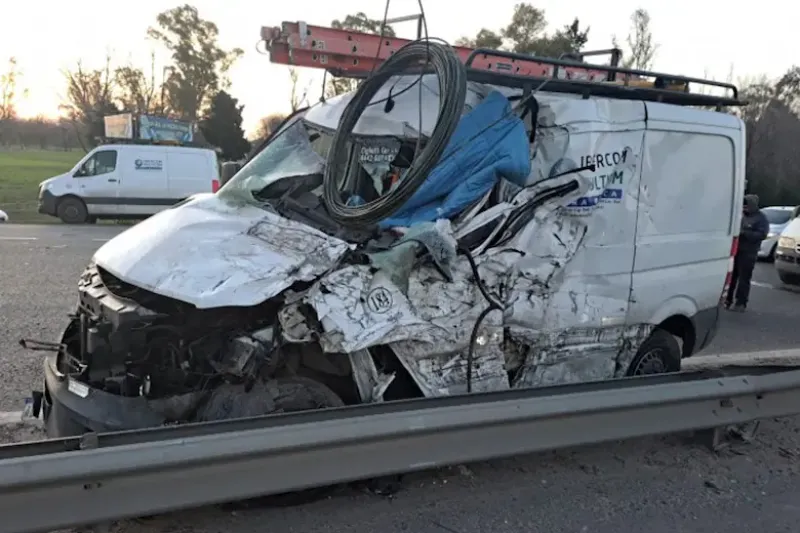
point(137, 473)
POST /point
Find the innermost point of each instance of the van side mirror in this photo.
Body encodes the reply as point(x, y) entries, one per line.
point(229, 169)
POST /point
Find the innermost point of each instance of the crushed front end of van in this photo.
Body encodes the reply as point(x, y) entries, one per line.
point(254, 300)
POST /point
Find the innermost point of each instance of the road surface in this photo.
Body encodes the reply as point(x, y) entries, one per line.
point(658, 485)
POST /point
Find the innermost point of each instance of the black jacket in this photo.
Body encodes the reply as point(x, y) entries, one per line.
point(755, 228)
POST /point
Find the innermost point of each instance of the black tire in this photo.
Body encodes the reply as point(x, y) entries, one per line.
point(298, 393)
point(286, 394)
point(789, 278)
point(281, 395)
point(659, 354)
point(72, 210)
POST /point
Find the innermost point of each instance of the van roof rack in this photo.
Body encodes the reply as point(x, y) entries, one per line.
point(152, 142)
point(355, 55)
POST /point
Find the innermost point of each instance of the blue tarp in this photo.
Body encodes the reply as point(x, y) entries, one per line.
point(489, 142)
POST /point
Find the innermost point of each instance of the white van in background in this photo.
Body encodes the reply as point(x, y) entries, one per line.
point(128, 181)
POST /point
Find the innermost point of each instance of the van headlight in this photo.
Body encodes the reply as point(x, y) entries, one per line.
point(786, 242)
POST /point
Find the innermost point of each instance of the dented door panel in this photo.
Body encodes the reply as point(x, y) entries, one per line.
point(573, 323)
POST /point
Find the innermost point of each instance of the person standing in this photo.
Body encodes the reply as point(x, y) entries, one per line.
point(755, 228)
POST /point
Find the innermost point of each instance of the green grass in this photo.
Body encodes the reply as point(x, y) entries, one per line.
point(21, 171)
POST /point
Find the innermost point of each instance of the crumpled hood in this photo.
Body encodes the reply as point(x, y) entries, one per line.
point(211, 253)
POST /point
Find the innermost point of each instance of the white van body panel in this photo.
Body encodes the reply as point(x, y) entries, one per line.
point(144, 184)
point(190, 170)
point(692, 180)
point(143, 179)
point(645, 242)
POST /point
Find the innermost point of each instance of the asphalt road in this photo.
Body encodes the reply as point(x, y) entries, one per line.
point(646, 485)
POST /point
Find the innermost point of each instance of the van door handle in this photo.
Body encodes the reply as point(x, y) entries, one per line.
point(112, 180)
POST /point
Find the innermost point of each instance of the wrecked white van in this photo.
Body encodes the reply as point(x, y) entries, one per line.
point(608, 261)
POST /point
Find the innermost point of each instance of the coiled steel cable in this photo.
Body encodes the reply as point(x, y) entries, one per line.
point(452, 79)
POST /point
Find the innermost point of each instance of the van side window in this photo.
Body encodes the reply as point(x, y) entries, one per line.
point(102, 162)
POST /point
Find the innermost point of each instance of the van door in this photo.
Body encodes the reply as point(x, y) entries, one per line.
point(581, 307)
point(190, 172)
point(143, 189)
point(97, 180)
point(688, 197)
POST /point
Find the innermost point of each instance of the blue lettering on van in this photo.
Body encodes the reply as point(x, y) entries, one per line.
point(608, 195)
point(148, 164)
point(606, 159)
point(607, 188)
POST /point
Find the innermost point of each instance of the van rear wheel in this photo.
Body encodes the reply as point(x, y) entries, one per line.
point(72, 210)
point(659, 354)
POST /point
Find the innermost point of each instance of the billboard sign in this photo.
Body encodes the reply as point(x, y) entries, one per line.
point(119, 126)
point(163, 129)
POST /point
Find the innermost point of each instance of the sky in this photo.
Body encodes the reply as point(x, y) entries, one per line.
point(702, 38)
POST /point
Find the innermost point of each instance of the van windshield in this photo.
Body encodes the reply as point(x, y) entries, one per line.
point(300, 149)
point(296, 150)
point(777, 216)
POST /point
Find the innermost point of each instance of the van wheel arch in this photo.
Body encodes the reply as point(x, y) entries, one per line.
point(72, 210)
point(683, 328)
point(658, 354)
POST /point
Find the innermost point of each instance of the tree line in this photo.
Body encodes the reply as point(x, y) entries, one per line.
point(195, 86)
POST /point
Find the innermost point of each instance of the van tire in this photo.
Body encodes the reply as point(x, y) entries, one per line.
point(287, 394)
point(789, 278)
point(72, 210)
point(299, 393)
point(659, 354)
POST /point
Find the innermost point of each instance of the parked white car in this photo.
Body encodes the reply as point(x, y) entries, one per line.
point(778, 217)
point(3, 216)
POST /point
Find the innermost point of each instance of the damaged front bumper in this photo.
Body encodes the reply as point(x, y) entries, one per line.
point(87, 387)
point(71, 408)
